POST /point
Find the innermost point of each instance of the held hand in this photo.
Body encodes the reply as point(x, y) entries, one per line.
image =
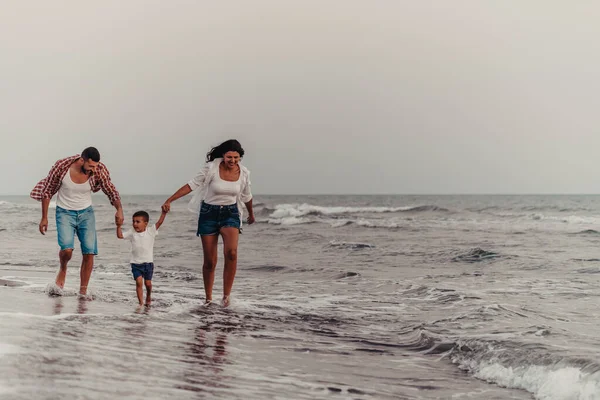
point(119, 219)
point(251, 219)
point(43, 226)
point(166, 207)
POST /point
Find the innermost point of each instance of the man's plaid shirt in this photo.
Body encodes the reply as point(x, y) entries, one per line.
point(100, 180)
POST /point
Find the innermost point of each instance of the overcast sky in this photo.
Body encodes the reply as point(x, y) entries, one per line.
point(341, 96)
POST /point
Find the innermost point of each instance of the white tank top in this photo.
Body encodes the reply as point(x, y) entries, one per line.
point(74, 196)
point(221, 192)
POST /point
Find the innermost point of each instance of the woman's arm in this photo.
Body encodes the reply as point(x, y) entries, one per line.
point(193, 184)
point(184, 190)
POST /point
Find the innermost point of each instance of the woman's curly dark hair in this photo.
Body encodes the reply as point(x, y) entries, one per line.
point(220, 150)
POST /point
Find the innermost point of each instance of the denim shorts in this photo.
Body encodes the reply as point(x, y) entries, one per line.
point(82, 223)
point(145, 270)
point(212, 218)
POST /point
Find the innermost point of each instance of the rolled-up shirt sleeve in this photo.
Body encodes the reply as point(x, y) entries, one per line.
point(107, 186)
point(198, 180)
point(246, 194)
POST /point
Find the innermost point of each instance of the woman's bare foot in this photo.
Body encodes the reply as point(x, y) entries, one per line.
point(225, 302)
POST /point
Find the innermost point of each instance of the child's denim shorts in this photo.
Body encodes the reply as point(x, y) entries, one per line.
point(145, 270)
point(212, 218)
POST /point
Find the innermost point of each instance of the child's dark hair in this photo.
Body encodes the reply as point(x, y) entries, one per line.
point(142, 214)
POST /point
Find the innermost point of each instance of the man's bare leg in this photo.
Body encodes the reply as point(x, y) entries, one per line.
point(64, 256)
point(87, 264)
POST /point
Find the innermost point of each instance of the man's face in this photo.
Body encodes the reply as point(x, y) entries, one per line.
point(89, 166)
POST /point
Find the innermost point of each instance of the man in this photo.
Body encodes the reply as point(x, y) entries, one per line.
point(74, 179)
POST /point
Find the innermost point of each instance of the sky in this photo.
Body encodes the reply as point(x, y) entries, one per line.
point(326, 96)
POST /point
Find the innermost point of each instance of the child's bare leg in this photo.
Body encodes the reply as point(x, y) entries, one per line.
point(148, 284)
point(139, 288)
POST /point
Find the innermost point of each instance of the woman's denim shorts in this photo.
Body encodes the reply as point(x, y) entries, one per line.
point(212, 218)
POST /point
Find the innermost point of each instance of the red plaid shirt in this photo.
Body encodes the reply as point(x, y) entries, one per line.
point(47, 187)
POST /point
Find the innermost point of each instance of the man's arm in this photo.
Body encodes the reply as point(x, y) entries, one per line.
point(119, 232)
point(44, 221)
point(160, 220)
point(111, 192)
point(119, 218)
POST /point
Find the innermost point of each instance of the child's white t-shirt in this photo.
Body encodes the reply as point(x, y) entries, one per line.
point(142, 244)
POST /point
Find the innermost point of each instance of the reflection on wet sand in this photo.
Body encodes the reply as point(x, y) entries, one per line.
point(207, 357)
point(59, 304)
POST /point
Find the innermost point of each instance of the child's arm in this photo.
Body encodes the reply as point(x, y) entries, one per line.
point(160, 220)
point(119, 232)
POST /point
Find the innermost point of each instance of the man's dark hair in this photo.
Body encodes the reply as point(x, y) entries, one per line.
point(91, 153)
point(142, 214)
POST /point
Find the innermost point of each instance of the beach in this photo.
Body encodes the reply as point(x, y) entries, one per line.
point(337, 297)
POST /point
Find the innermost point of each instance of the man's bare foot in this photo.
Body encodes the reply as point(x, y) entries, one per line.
point(207, 302)
point(83, 290)
point(148, 302)
point(61, 277)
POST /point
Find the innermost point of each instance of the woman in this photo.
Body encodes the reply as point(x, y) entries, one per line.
point(220, 189)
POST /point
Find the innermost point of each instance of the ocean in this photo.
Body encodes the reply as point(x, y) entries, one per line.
point(336, 297)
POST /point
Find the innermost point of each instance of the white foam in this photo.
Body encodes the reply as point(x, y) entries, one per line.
point(8, 204)
point(22, 315)
point(376, 224)
point(570, 219)
point(300, 210)
point(545, 382)
point(289, 221)
point(8, 349)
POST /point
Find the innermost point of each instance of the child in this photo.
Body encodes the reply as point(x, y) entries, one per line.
point(142, 251)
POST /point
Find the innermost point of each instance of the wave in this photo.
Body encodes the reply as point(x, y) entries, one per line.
point(475, 255)
point(348, 274)
point(570, 219)
point(350, 246)
point(554, 208)
point(530, 367)
point(366, 223)
point(177, 275)
point(587, 232)
point(35, 205)
point(528, 209)
point(301, 210)
point(268, 268)
point(290, 221)
point(336, 223)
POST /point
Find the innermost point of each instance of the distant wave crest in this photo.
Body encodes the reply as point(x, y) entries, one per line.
point(301, 210)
